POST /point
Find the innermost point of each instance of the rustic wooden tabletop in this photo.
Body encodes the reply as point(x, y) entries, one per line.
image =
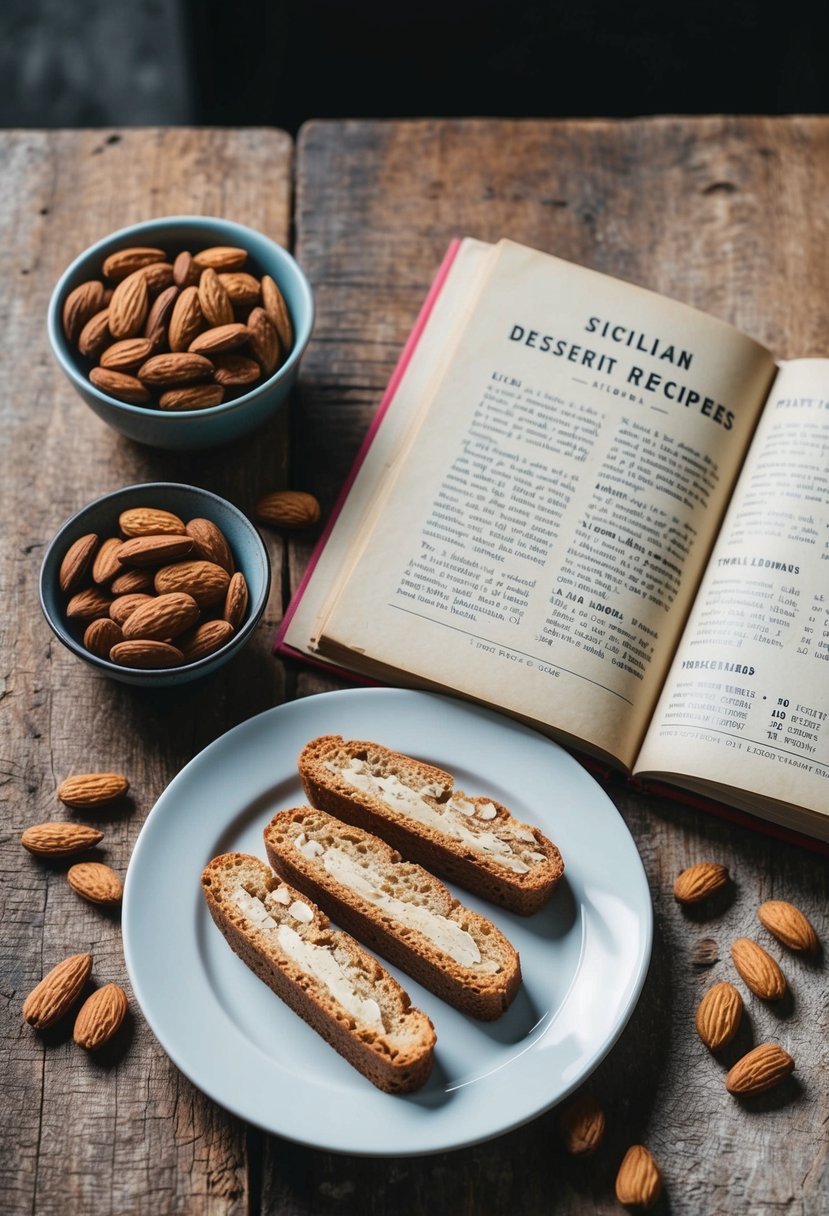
point(726, 214)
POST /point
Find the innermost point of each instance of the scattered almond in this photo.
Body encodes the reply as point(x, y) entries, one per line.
point(95, 881)
point(59, 839)
point(57, 992)
point(288, 509)
point(718, 1015)
point(582, 1125)
point(789, 925)
point(761, 1069)
point(758, 969)
point(638, 1182)
point(100, 1017)
point(92, 789)
point(699, 881)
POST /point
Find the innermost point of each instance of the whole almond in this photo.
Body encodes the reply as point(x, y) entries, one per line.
point(700, 881)
point(235, 371)
point(126, 261)
point(158, 318)
point(219, 338)
point(150, 521)
point(96, 882)
point(146, 654)
point(718, 1015)
point(77, 562)
point(129, 306)
point(214, 300)
point(288, 509)
point(264, 342)
point(126, 354)
point(159, 276)
point(123, 606)
point(101, 635)
point(82, 303)
point(758, 969)
point(92, 789)
point(192, 397)
point(236, 600)
point(207, 582)
point(221, 257)
point(274, 304)
point(582, 1125)
point(57, 992)
point(100, 1017)
point(210, 543)
point(789, 925)
point(154, 550)
point(106, 565)
point(175, 367)
point(205, 639)
point(186, 319)
point(164, 617)
point(137, 579)
point(244, 290)
point(87, 604)
point(95, 335)
point(185, 271)
point(638, 1182)
point(761, 1069)
point(59, 839)
point(119, 385)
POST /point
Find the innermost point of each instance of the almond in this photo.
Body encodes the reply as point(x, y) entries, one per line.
point(205, 581)
point(123, 606)
point(236, 600)
point(129, 306)
point(175, 367)
point(718, 1015)
point(186, 319)
point(789, 925)
point(95, 335)
point(234, 371)
point(92, 789)
point(59, 839)
point(761, 1069)
point(106, 565)
point(219, 338)
point(758, 969)
point(76, 562)
point(214, 300)
point(57, 992)
point(150, 521)
point(221, 257)
point(88, 604)
point(119, 385)
point(274, 304)
point(264, 342)
point(243, 288)
point(131, 581)
point(582, 1125)
point(162, 618)
point(185, 271)
point(82, 303)
point(700, 881)
point(210, 543)
point(638, 1182)
point(192, 397)
point(158, 318)
point(126, 261)
point(96, 882)
point(159, 276)
point(126, 354)
point(154, 550)
point(205, 639)
point(288, 509)
point(146, 654)
point(100, 1017)
point(101, 635)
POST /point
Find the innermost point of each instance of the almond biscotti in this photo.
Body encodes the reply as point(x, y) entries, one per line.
point(396, 908)
point(320, 972)
point(473, 841)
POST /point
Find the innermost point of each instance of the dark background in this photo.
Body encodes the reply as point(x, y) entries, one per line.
point(111, 62)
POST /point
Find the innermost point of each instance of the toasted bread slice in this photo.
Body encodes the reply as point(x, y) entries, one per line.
point(397, 908)
point(471, 840)
point(320, 972)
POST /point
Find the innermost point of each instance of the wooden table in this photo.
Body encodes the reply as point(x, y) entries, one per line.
point(728, 215)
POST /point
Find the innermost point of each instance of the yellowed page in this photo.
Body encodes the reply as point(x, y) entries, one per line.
point(542, 541)
point(747, 703)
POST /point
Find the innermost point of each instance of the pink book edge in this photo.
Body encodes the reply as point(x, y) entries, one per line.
point(280, 646)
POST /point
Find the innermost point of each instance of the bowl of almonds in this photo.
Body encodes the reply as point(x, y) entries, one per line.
point(183, 332)
point(155, 584)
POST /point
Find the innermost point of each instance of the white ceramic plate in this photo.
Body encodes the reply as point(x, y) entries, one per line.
point(584, 957)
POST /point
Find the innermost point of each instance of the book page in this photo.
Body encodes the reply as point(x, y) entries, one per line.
point(542, 541)
point(747, 703)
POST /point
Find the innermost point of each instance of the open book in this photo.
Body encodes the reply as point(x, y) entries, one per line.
point(604, 513)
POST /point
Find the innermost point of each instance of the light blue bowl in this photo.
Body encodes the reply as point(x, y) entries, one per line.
point(188, 502)
point(219, 424)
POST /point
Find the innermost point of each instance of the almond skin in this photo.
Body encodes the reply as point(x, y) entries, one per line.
point(759, 1070)
point(92, 789)
point(758, 969)
point(789, 926)
point(96, 882)
point(638, 1182)
point(100, 1017)
point(288, 509)
point(582, 1125)
point(699, 881)
point(57, 992)
point(77, 561)
point(718, 1015)
point(146, 654)
point(162, 617)
point(59, 839)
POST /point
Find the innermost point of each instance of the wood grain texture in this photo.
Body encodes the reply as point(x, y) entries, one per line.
point(123, 1131)
point(724, 214)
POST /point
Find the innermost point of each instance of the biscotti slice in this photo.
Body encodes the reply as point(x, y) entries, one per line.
point(396, 908)
point(320, 972)
point(473, 841)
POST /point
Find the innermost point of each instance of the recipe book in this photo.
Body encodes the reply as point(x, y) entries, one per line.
point(605, 513)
